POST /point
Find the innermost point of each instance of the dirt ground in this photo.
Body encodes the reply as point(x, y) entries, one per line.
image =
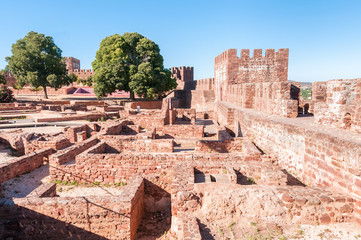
point(256, 230)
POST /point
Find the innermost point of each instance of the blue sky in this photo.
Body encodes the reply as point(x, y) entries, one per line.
point(324, 37)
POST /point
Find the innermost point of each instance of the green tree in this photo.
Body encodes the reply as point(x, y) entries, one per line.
point(131, 63)
point(87, 82)
point(3, 74)
point(37, 61)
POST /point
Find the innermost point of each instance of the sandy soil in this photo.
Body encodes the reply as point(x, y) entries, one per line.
point(261, 231)
point(44, 130)
point(5, 153)
point(76, 191)
point(340, 231)
point(21, 186)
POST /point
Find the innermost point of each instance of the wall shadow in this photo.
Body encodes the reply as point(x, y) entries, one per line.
point(27, 224)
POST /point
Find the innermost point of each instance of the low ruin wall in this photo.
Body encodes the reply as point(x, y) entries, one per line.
point(93, 217)
point(89, 116)
point(182, 131)
point(221, 146)
point(115, 168)
point(144, 105)
point(128, 145)
point(68, 154)
point(56, 144)
point(17, 166)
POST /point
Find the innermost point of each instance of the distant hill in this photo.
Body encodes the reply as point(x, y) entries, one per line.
point(303, 84)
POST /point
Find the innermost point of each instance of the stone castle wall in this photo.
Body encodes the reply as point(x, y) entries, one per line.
point(258, 82)
point(337, 103)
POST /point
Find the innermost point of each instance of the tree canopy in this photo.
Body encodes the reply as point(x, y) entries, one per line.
point(133, 63)
point(37, 61)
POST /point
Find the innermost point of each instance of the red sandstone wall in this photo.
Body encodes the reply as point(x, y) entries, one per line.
point(124, 144)
point(144, 105)
point(319, 159)
point(17, 166)
point(204, 84)
point(83, 73)
point(56, 144)
point(184, 74)
point(258, 82)
point(182, 131)
point(50, 91)
point(224, 146)
point(115, 168)
point(337, 103)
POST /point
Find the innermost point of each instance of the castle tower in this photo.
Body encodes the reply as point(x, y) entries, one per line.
point(72, 64)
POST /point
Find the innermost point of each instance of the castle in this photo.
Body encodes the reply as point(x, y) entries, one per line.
point(234, 156)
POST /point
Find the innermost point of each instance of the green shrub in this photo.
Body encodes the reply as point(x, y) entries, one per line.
point(6, 95)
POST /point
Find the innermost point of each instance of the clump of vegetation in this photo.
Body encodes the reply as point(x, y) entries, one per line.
point(43, 65)
point(220, 230)
point(132, 63)
point(306, 93)
point(251, 181)
point(120, 184)
point(6, 95)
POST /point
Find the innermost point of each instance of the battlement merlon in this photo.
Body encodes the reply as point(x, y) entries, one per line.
point(183, 73)
point(257, 54)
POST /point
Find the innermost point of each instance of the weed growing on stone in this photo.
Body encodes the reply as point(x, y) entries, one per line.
point(230, 226)
point(220, 230)
point(251, 181)
point(74, 183)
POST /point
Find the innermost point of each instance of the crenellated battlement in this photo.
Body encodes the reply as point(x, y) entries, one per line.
point(204, 84)
point(83, 71)
point(270, 54)
point(184, 74)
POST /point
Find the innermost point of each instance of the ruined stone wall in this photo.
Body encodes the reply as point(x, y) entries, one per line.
point(144, 105)
point(88, 116)
point(50, 91)
point(221, 146)
point(93, 217)
point(27, 163)
point(127, 145)
point(297, 205)
point(319, 91)
point(317, 157)
point(258, 82)
point(337, 103)
point(115, 168)
point(68, 154)
point(182, 131)
point(56, 144)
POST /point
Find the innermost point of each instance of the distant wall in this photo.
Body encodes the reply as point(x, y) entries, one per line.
point(258, 82)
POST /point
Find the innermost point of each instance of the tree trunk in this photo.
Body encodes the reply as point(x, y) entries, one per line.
point(131, 95)
point(45, 93)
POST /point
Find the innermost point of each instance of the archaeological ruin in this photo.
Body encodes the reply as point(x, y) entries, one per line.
point(237, 156)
